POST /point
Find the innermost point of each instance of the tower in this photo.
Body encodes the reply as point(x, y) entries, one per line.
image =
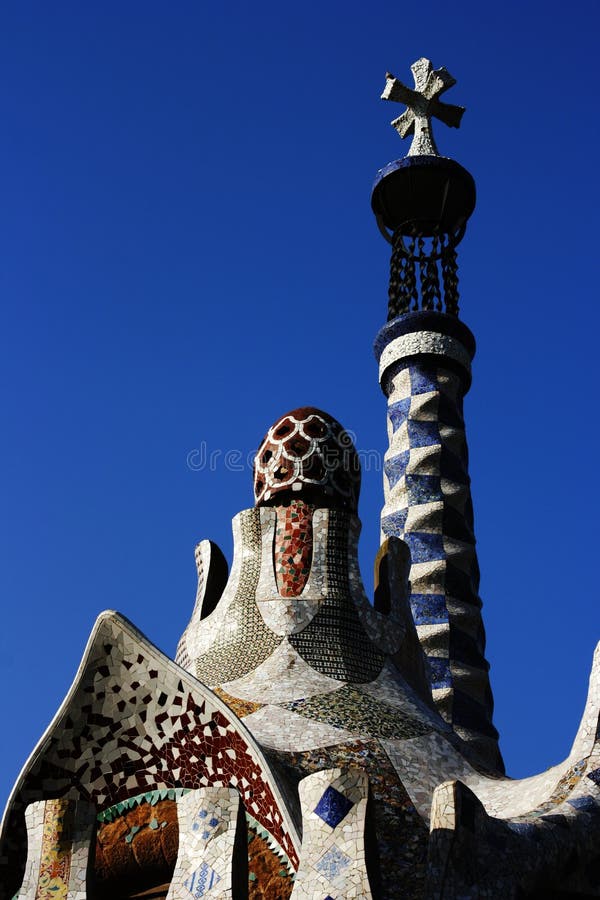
point(422, 204)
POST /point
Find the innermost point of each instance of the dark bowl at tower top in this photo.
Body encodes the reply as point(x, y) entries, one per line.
point(427, 194)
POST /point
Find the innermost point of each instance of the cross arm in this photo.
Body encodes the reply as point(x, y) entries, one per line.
point(447, 113)
point(395, 90)
point(404, 124)
point(438, 81)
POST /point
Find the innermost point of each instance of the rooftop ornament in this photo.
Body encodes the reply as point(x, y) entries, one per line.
point(423, 104)
point(422, 202)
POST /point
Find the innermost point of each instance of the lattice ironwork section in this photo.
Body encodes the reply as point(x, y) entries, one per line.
point(423, 274)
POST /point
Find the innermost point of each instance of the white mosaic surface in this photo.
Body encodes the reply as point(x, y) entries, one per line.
point(46, 858)
point(207, 825)
point(203, 557)
point(391, 688)
point(423, 763)
point(282, 729)
point(34, 821)
point(586, 740)
point(333, 855)
point(198, 638)
point(279, 679)
point(424, 342)
point(82, 843)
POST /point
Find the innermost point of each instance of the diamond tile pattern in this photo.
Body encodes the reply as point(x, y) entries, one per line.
point(333, 807)
point(332, 863)
point(202, 881)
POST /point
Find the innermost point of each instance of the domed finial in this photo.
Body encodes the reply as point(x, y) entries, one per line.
point(307, 455)
point(423, 104)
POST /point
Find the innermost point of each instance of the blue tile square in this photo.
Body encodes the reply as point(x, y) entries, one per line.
point(423, 434)
point(333, 807)
point(429, 609)
point(440, 672)
point(425, 547)
point(398, 412)
point(393, 525)
point(594, 776)
point(395, 467)
point(332, 863)
point(423, 489)
point(423, 380)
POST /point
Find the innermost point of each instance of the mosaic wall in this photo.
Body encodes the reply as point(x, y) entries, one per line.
point(251, 620)
point(137, 845)
point(293, 547)
point(58, 850)
point(135, 721)
point(306, 743)
point(208, 819)
point(312, 728)
point(428, 505)
point(395, 835)
point(333, 863)
point(34, 824)
point(213, 572)
point(473, 854)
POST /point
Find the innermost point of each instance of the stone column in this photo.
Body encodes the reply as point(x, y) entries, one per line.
point(333, 860)
point(206, 862)
point(59, 836)
point(425, 371)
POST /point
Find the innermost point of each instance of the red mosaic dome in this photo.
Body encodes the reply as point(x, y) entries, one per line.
point(307, 455)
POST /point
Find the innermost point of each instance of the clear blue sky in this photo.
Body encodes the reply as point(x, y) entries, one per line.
point(187, 251)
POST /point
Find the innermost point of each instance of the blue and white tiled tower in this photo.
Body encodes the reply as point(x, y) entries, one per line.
point(422, 204)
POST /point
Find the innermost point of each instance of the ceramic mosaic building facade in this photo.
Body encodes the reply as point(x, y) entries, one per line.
point(306, 742)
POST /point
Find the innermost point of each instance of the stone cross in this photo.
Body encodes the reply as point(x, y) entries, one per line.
point(422, 104)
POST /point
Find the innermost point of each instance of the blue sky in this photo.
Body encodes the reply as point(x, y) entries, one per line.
point(187, 251)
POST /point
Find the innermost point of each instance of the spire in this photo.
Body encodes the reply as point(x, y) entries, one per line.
point(423, 201)
point(422, 204)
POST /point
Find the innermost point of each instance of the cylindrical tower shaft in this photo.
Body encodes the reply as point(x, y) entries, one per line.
point(425, 372)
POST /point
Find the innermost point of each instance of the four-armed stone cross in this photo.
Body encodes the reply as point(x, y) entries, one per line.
point(422, 104)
